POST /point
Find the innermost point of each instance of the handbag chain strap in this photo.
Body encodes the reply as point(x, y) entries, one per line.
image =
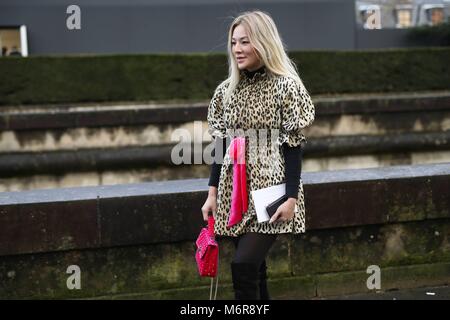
point(217, 284)
point(211, 233)
point(211, 288)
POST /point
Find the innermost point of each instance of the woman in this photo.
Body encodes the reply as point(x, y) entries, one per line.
point(262, 93)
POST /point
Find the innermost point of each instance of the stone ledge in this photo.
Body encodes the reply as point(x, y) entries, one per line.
point(105, 216)
point(329, 285)
point(71, 116)
point(332, 260)
point(100, 159)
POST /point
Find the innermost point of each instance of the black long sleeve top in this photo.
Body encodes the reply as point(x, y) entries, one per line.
point(292, 158)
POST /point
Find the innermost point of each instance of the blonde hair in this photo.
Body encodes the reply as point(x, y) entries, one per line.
point(268, 47)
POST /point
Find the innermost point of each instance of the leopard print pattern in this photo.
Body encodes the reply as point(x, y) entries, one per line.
point(277, 104)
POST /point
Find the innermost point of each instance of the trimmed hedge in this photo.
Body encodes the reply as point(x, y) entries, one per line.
point(157, 77)
point(438, 35)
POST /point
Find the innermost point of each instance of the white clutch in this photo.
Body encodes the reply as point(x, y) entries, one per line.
point(263, 197)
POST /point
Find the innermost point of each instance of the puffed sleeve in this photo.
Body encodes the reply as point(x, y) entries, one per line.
point(297, 112)
point(216, 123)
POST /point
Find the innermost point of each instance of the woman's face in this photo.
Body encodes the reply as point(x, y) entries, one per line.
point(243, 51)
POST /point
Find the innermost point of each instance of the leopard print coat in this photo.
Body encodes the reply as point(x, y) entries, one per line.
point(275, 104)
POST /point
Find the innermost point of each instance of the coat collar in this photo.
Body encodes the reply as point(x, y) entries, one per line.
point(252, 75)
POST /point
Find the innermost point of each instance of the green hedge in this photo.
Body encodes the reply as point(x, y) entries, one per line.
point(438, 35)
point(156, 77)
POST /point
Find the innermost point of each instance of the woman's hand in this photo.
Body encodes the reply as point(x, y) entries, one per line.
point(210, 205)
point(284, 212)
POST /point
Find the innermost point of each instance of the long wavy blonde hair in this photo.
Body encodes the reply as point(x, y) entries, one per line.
point(268, 46)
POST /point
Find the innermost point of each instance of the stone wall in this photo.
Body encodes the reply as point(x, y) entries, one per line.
point(137, 241)
point(82, 145)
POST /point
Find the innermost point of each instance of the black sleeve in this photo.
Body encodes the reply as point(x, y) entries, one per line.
point(293, 164)
point(216, 166)
point(292, 156)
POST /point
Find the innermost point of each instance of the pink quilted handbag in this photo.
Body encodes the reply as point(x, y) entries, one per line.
point(207, 254)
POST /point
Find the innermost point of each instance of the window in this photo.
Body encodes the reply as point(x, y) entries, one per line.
point(437, 16)
point(403, 16)
point(431, 14)
point(13, 41)
point(370, 16)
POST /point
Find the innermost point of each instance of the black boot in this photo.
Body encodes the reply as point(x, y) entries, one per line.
point(245, 281)
point(263, 291)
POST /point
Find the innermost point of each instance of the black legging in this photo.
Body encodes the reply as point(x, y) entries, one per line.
point(253, 247)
